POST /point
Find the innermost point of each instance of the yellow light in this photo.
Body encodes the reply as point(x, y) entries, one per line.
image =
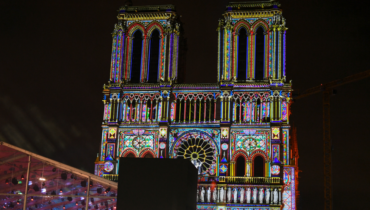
point(163, 132)
point(42, 179)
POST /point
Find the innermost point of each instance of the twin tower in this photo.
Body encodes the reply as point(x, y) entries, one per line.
point(236, 132)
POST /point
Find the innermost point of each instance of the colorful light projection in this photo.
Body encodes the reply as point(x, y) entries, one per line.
point(110, 150)
point(284, 112)
point(137, 140)
point(103, 144)
point(112, 133)
point(250, 140)
point(108, 166)
point(289, 189)
point(275, 170)
point(211, 136)
point(285, 143)
point(276, 153)
point(275, 133)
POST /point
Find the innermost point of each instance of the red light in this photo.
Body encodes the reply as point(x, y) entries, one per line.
point(76, 203)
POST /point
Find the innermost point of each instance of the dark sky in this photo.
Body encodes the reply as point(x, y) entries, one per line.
point(55, 57)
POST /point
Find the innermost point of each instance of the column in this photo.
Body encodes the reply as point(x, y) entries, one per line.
point(214, 110)
point(184, 110)
point(272, 195)
point(205, 109)
point(279, 106)
point(240, 110)
point(156, 110)
point(222, 110)
point(180, 111)
point(228, 110)
point(280, 195)
point(151, 110)
point(190, 111)
point(118, 108)
point(195, 110)
point(130, 111)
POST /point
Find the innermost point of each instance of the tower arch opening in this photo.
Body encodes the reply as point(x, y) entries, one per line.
point(242, 54)
point(137, 44)
point(154, 57)
point(260, 53)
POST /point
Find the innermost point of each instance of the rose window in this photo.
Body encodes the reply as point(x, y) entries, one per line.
point(138, 142)
point(199, 152)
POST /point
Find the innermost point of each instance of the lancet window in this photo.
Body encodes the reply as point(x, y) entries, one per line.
point(259, 53)
point(242, 54)
point(251, 108)
point(194, 108)
point(153, 65)
point(140, 108)
point(137, 45)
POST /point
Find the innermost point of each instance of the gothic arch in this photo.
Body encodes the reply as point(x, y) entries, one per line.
point(242, 24)
point(238, 153)
point(258, 152)
point(260, 23)
point(152, 26)
point(146, 151)
point(195, 131)
point(136, 26)
point(128, 151)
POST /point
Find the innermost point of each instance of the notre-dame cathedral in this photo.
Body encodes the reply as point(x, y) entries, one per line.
point(236, 132)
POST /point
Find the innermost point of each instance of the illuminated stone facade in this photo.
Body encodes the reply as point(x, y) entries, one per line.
point(235, 131)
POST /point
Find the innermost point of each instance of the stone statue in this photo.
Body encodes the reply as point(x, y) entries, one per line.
point(242, 195)
point(198, 165)
point(248, 195)
point(261, 195)
point(215, 195)
point(209, 195)
point(275, 196)
point(235, 195)
point(202, 195)
point(248, 170)
point(222, 194)
point(267, 195)
point(255, 195)
point(229, 195)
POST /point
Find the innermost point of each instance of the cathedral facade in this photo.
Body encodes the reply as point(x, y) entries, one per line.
point(236, 132)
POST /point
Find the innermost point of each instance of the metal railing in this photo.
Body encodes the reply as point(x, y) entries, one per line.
point(221, 179)
point(249, 180)
point(111, 177)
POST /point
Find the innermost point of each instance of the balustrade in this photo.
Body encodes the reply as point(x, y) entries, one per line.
point(238, 194)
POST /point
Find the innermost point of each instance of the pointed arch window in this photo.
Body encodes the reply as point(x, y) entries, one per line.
point(242, 54)
point(137, 44)
point(260, 54)
point(154, 57)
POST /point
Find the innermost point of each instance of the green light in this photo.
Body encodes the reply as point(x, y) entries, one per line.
point(19, 182)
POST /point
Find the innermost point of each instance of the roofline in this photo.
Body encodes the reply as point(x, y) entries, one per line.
point(63, 166)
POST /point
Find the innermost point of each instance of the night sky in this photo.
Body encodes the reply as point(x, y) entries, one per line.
point(55, 58)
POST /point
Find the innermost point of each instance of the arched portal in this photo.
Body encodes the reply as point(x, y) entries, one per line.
point(130, 155)
point(258, 166)
point(137, 43)
point(148, 155)
point(240, 166)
